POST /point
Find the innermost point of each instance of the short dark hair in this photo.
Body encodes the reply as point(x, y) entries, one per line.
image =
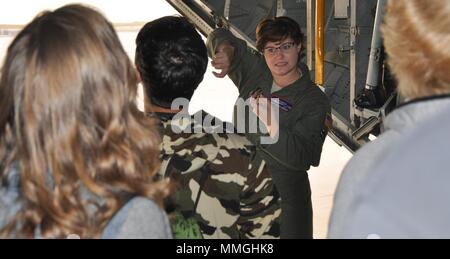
point(171, 58)
point(277, 29)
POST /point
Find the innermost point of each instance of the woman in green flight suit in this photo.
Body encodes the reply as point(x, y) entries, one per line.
point(276, 72)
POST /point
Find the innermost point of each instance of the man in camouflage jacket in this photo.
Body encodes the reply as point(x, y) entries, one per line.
point(219, 172)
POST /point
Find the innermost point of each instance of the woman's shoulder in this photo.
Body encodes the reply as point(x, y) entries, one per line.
point(10, 201)
point(139, 218)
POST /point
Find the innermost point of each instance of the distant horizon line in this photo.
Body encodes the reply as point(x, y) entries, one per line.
point(121, 26)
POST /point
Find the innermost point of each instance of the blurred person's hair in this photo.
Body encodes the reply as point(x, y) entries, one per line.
point(171, 58)
point(69, 126)
point(417, 40)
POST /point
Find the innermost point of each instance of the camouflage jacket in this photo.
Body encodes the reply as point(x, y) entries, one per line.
point(238, 198)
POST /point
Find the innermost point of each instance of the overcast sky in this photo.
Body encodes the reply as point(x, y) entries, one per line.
point(22, 11)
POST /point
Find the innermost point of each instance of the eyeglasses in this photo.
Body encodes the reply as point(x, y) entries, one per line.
point(284, 48)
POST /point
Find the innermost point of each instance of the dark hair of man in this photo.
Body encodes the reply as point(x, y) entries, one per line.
point(278, 29)
point(171, 58)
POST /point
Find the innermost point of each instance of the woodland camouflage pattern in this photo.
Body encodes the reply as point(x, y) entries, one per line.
point(238, 199)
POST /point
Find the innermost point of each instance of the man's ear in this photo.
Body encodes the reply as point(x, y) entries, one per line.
point(138, 76)
point(147, 103)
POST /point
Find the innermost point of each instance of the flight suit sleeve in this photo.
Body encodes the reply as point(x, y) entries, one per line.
point(260, 204)
point(300, 146)
point(247, 65)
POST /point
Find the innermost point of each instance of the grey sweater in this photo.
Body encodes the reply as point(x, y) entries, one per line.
point(138, 218)
point(365, 177)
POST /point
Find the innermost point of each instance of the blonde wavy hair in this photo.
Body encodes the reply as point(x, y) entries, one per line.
point(417, 40)
point(70, 126)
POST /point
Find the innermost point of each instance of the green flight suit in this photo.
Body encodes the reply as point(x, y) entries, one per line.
point(302, 130)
